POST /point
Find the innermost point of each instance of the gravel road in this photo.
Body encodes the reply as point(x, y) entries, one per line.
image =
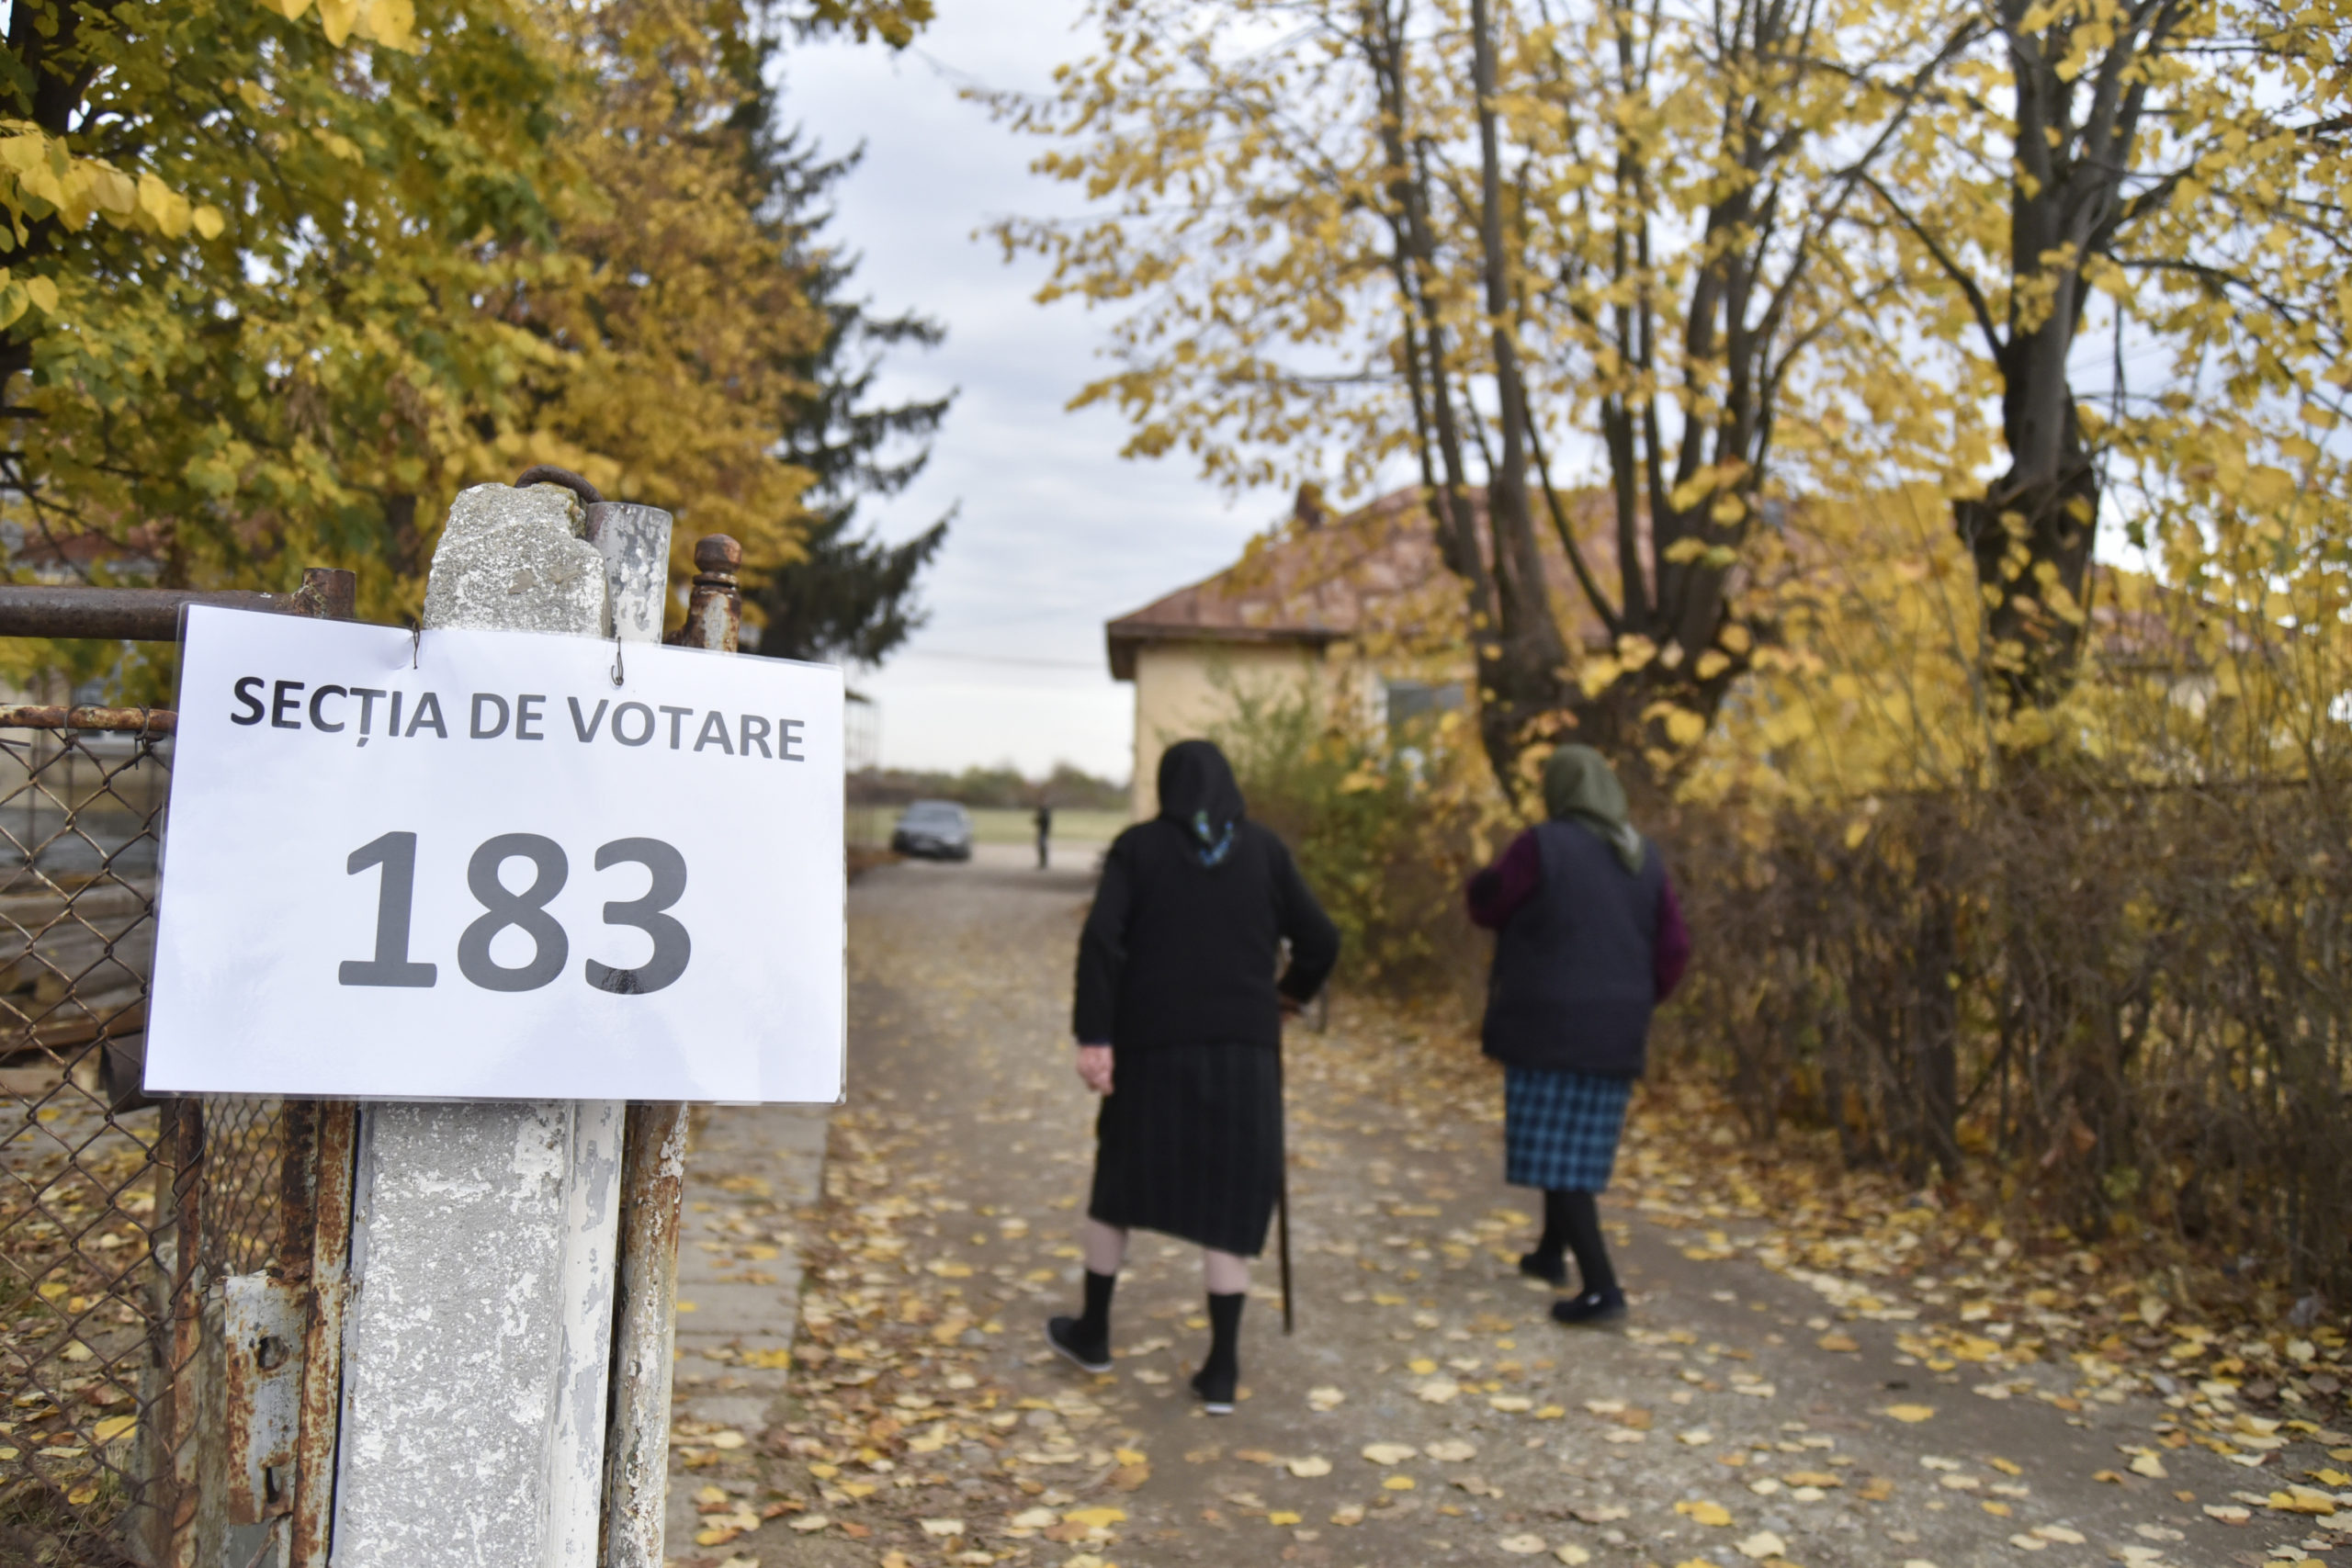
point(1426, 1410)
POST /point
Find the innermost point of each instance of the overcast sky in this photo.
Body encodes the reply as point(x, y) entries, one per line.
point(1056, 533)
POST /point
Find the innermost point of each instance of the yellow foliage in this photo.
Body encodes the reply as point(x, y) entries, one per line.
point(680, 314)
point(365, 257)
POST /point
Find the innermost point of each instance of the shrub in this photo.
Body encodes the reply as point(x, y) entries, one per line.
point(1386, 827)
point(2132, 1003)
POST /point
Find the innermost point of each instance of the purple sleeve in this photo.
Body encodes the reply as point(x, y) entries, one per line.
point(1497, 892)
point(1673, 945)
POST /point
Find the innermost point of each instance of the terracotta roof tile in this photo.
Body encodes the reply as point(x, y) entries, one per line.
point(1376, 568)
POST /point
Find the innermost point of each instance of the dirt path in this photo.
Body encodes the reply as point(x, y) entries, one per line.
point(1744, 1416)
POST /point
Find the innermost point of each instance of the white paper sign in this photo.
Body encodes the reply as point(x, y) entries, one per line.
point(495, 873)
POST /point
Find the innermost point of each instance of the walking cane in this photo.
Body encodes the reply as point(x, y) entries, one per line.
point(1281, 1206)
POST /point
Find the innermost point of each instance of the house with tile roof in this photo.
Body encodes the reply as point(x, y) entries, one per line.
point(1359, 609)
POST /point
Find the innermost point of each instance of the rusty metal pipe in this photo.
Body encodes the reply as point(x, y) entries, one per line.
point(141, 721)
point(653, 1179)
point(715, 605)
point(636, 1443)
point(334, 1145)
point(152, 614)
point(179, 1416)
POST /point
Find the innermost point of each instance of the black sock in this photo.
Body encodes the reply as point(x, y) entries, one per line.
point(1095, 1322)
point(1225, 1332)
point(1555, 1229)
point(1580, 1221)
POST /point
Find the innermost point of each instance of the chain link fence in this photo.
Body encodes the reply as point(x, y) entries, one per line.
point(118, 1215)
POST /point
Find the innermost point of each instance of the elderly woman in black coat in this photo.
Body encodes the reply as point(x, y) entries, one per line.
point(1589, 938)
point(1179, 1026)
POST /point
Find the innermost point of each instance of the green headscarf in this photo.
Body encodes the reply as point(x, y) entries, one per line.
point(1578, 783)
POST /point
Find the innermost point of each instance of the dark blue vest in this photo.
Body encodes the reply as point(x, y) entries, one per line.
point(1574, 973)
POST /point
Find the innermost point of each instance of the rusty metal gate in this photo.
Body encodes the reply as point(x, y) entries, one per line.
point(164, 1277)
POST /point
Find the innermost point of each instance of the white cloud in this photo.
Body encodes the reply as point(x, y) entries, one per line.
point(1056, 533)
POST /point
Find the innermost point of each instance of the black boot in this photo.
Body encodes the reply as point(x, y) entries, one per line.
point(1589, 1310)
point(1219, 1379)
point(1546, 1262)
point(1600, 1301)
point(1086, 1340)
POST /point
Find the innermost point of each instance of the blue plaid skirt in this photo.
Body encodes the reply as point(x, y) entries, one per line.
point(1560, 1130)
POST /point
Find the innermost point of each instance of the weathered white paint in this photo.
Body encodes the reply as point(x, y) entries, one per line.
point(575, 1457)
point(480, 1334)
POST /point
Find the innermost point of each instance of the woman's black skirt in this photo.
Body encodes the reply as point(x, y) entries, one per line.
point(1189, 1142)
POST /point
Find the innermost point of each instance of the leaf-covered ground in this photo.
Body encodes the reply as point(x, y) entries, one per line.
point(1817, 1372)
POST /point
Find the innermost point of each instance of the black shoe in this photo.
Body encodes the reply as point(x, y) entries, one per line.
point(1591, 1309)
point(1553, 1271)
point(1216, 1385)
point(1067, 1337)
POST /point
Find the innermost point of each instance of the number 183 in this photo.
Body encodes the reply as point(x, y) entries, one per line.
point(527, 911)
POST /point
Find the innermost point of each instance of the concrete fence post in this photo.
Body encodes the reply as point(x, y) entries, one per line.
point(478, 1330)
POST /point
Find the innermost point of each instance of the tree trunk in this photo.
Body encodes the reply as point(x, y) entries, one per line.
point(2034, 528)
point(1524, 682)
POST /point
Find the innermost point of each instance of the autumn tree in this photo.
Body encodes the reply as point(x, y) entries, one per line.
point(676, 324)
point(1617, 241)
point(2166, 173)
point(249, 237)
point(285, 276)
point(1677, 232)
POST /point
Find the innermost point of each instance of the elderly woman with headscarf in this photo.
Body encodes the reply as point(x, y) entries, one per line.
point(1179, 1026)
point(1588, 939)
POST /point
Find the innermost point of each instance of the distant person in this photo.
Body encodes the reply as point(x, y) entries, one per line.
point(1176, 984)
point(1045, 832)
point(1589, 939)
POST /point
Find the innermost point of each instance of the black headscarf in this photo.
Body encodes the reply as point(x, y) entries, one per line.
point(1198, 794)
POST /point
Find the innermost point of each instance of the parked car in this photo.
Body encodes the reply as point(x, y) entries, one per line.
point(934, 829)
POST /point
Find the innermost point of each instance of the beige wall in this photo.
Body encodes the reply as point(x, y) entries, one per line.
point(1185, 689)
